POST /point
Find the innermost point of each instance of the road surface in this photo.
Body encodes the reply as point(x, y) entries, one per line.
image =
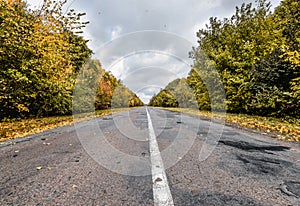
point(115, 160)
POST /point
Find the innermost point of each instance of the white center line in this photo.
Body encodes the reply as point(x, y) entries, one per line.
point(161, 192)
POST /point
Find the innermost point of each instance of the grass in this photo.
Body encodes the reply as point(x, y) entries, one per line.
point(287, 129)
point(18, 129)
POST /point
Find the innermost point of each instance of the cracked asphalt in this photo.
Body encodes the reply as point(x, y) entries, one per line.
point(54, 168)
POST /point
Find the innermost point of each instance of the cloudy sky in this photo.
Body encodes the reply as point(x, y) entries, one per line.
point(146, 43)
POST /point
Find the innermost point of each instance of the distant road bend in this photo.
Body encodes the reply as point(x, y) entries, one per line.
point(148, 156)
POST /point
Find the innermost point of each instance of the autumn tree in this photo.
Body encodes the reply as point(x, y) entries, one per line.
point(107, 85)
point(163, 99)
point(124, 97)
point(98, 89)
point(287, 17)
point(40, 54)
point(256, 54)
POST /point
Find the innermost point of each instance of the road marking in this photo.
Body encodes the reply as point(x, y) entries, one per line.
point(161, 192)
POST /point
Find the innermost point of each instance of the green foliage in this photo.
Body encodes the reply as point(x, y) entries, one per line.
point(163, 99)
point(256, 54)
point(135, 101)
point(112, 93)
point(176, 94)
point(287, 16)
point(97, 89)
point(123, 97)
point(199, 90)
point(87, 87)
point(39, 56)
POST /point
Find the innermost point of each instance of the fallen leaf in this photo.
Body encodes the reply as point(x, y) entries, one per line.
point(44, 143)
point(74, 186)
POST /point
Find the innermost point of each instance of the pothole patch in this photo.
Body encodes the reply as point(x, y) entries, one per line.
point(247, 146)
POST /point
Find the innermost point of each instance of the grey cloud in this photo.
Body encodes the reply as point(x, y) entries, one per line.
point(112, 20)
point(150, 76)
point(142, 41)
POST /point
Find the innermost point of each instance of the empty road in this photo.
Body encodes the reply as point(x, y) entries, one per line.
point(149, 156)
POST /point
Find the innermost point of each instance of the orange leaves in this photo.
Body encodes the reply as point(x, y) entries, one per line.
point(105, 90)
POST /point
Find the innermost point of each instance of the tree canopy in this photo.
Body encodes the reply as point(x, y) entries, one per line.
point(256, 55)
point(41, 53)
point(176, 94)
point(98, 89)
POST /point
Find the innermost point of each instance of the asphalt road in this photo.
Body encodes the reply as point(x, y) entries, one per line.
point(112, 160)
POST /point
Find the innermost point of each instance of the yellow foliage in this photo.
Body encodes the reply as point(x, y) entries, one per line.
point(287, 130)
point(17, 129)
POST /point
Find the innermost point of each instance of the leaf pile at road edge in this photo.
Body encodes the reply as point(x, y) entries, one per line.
point(22, 128)
point(283, 129)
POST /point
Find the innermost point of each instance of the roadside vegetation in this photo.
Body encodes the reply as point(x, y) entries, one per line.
point(16, 129)
point(256, 54)
point(42, 53)
point(280, 128)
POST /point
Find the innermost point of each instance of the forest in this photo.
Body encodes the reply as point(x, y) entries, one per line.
point(256, 54)
point(41, 55)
